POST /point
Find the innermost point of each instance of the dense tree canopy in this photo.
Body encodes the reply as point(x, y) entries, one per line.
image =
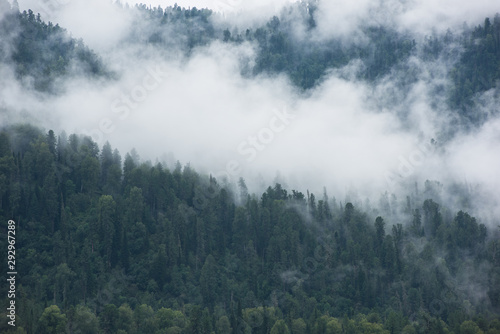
point(107, 244)
point(169, 250)
point(44, 52)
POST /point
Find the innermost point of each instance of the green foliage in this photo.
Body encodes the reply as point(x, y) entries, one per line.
point(109, 318)
point(333, 326)
point(299, 326)
point(208, 280)
point(478, 68)
point(280, 327)
point(52, 321)
point(44, 51)
point(470, 327)
point(179, 255)
point(223, 325)
point(85, 321)
point(126, 320)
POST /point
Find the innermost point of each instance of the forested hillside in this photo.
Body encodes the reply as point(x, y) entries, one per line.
point(110, 243)
point(145, 248)
point(471, 56)
point(42, 52)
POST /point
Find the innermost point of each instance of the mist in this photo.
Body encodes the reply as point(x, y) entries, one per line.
point(345, 134)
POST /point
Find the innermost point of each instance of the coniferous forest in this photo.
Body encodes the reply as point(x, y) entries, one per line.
point(107, 242)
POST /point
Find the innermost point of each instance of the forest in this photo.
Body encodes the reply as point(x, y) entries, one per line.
point(44, 52)
point(111, 243)
point(113, 246)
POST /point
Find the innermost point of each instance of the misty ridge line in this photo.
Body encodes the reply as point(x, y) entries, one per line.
point(142, 8)
point(128, 102)
point(313, 265)
point(454, 290)
point(331, 102)
point(46, 8)
point(133, 99)
point(231, 39)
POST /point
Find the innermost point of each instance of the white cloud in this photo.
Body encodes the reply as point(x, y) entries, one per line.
point(427, 15)
point(206, 113)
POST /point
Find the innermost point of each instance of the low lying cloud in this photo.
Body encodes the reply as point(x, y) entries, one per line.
point(202, 111)
point(343, 18)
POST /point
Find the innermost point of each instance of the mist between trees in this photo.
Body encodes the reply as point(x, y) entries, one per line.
point(137, 246)
point(380, 133)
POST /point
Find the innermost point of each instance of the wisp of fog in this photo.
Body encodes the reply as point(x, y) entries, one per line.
point(344, 134)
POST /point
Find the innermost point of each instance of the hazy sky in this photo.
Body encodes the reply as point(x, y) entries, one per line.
point(422, 15)
point(205, 113)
